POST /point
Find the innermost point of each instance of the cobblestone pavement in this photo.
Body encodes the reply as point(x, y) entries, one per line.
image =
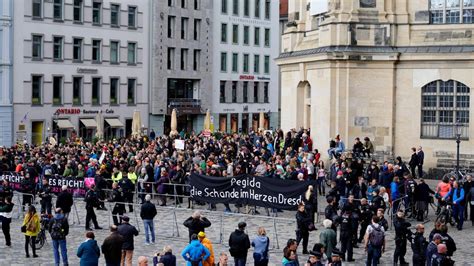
point(170, 231)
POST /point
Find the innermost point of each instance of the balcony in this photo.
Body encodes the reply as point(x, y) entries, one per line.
point(185, 106)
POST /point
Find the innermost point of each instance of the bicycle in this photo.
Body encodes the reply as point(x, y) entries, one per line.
point(41, 238)
point(446, 214)
point(462, 173)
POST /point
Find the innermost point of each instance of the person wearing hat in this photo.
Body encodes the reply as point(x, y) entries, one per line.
point(207, 243)
point(432, 248)
point(314, 259)
point(239, 244)
point(127, 231)
point(195, 252)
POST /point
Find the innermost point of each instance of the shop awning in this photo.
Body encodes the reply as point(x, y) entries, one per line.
point(89, 123)
point(64, 124)
point(113, 122)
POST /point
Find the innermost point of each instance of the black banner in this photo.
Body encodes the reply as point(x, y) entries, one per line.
point(251, 190)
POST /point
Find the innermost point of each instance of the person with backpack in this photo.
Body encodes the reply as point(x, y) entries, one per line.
point(58, 229)
point(261, 244)
point(239, 244)
point(374, 242)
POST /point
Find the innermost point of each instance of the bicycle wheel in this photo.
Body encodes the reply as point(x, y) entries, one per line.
point(327, 181)
point(40, 240)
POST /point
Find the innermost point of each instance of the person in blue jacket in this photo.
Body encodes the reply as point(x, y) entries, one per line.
point(195, 252)
point(395, 194)
point(89, 251)
point(456, 194)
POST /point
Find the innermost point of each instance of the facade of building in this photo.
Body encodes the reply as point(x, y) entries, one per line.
point(182, 63)
point(79, 64)
point(6, 73)
point(245, 76)
point(397, 71)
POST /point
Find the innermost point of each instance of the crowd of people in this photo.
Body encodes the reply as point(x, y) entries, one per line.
point(362, 192)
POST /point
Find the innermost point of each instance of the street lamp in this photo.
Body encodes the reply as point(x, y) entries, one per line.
point(458, 130)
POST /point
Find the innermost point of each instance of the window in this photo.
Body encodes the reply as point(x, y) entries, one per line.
point(115, 15)
point(131, 91)
point(246, 35)
point(223, 32)
point(246, 63)
point(184, 28)
point(183, 3)
point(96, 83)
point(57, 90)
point(266, 65)
point(196, 60)
point(96, 13)
point(58, 10)
point(223, 62)
point(171, 25)
point(77, 10)
point(114, 52)
point(234, 91)
point(96, 51)
point(77, 49)
point(246, 8)
point(451, 11)
point(256, 38)
point(267, 38)
point(184, 59)
point(77, 90)
point(443, 105)
point(368, 3)
point(132, 53)
point(114, 90)
point(171, 2)
point(235, 34)
point(36, 87)
point(132, 16)
point(37, 11)
point(267, 9)
point(224, 6)
point(245, 91)
point(235, 62)
point(255, 92)
point(57, 48)
point(222, 92)
point(265, 92)
point(235, 7)
point(257, 8)
point(197, 29)
point(37, 47)
point(256, 63)
point(170, 64)
point(197, 4)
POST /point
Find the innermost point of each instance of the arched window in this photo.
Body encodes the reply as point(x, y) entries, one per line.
point(443, 105)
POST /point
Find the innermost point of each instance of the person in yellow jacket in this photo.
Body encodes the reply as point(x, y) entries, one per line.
point(116, 175)
point(207, 243)
point(31, 228)
point(132, 176)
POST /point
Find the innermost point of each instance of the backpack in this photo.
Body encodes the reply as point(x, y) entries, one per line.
point(57, 231)
point(376, 237)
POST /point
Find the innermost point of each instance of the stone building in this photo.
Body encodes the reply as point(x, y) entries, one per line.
point(6, 73)
point(397, 71)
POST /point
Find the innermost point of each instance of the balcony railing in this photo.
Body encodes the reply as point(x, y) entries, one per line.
point(185, 106)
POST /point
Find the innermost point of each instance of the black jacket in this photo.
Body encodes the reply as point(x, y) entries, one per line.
point(167, 259)
point(148, 211)
point(401, 228)
point(419, 246)
point(303, 219)
point(196, 225)
point(239, 244)
point(128, 232)
point(422, 192)
point(64, 201)
point(112, 248)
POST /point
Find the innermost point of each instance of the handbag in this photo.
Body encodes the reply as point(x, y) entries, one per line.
point(23, 227)
point(311, 227)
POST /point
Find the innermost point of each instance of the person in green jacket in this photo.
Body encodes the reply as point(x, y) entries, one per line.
point(68, 171)
point(327, 237)
point(80, 171)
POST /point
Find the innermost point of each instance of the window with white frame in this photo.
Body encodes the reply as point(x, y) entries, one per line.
point(96, 51)
point(451, 11)
point(58, 9)
point(132, 16)
point(77, 11)
point(132, 53)
point(37, 47)
point(58, 48)
point(445, 105)
point(115, 15)
point(37, 11)
point(96, 12)
point(114, 52)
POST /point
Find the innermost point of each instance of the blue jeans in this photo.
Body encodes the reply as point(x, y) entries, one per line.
point(149, 230)
point(373, 255)
point(458, 214)
point(240, 261)
point(56, 245)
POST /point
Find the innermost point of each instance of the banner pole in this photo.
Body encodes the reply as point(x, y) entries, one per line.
point(77, 213)
point(276, 233)
point(221, 233)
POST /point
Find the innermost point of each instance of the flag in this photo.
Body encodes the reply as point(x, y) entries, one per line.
point(102, 156)
point(24, 118)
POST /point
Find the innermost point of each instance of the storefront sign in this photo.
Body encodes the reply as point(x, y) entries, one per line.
point(263, 78)
point(87, 70)
point(77, 111)
point(246, 77)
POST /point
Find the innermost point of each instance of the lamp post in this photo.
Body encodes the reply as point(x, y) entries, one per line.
point(458, 130)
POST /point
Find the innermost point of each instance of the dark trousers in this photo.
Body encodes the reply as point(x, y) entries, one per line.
point(321, 185)
point(346, 246)
point(412, 170)
point(90, 215)
point(420, 170)
point(418, 261)
point(27, 244)
point(240, 261)
point(27, 200)
point(6, 231)
point(129, 198)
point(472, 212)
point(458, 214)
point(117, 210)
point(400, 250)
point(363, 228)
point(373, 255)
point(302, 235)
point(46, 206)
point(467, 206)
